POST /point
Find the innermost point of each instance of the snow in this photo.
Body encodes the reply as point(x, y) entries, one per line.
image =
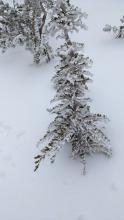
point(59, 191)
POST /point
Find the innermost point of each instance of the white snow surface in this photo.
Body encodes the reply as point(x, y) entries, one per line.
point(59, 191)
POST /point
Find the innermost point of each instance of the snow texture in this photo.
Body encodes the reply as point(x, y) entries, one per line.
point(59, 191)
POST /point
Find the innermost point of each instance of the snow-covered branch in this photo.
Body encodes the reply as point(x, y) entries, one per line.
point(74, 122)
point(118, 31)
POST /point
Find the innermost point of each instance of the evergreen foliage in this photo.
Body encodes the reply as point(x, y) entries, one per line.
point(118, 31)
point(25, 25)
point(74, 122)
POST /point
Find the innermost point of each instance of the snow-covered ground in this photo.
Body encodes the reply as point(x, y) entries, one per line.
point(59, 191)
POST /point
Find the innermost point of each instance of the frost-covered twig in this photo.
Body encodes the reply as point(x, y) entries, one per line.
point(118, 31)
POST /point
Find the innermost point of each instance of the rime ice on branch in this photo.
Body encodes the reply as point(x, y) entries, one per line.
point(25, 25)
point(118, 31)
point(74, 122)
